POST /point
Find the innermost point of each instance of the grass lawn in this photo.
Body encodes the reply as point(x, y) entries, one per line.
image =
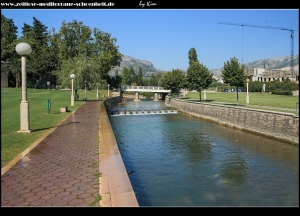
point(14, 143)
point(265, 101)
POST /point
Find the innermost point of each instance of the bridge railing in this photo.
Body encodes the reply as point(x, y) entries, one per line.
point(142, 87)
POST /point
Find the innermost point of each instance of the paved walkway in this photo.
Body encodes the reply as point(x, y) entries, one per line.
point(63, 169)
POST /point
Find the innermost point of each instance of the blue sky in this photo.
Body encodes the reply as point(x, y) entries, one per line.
point(164, 36)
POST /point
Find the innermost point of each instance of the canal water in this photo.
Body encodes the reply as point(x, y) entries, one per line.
point(175, 160)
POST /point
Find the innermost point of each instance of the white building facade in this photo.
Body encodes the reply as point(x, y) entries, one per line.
point(263, 75)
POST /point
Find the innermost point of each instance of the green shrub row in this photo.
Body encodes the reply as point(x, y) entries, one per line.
point(257, 86)
point(282, 92)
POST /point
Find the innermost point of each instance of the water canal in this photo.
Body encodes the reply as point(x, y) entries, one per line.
point(177, 160)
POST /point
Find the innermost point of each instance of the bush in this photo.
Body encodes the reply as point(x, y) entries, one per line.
point(285, 85)
point(282, 92)
point(107, 105)
point(147, 94)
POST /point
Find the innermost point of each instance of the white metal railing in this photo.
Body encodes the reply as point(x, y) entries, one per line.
point(142, 88)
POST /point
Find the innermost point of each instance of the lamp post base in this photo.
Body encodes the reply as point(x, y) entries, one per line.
point(24, 117)
point(247, 99)
point(72, 100)
point(24, 131)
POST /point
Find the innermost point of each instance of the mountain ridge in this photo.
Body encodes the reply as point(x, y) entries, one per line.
point(282, 62)
point(147, 67)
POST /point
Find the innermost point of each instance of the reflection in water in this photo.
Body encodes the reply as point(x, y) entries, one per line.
point(179, 160)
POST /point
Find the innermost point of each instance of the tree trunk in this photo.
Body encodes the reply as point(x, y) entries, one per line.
point(200, 94)
point(17, 80)
point(237, 96)
point(75, 94)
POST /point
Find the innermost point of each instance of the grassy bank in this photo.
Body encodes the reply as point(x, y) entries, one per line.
point(265, 101)
point(12, 142)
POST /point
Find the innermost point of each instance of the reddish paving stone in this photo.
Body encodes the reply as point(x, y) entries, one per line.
point(57, 191)
point(68, 179)
point(29, 194)
point(11, 196)
point(63, 194)
point(61, 184)
point(42, 193)
point(71, 189)
point(66, 186)
point(32, 198)
point(22, 204)
point(53, 200)
point(47, 175)
point(72, 182)
point(17, 201)
point(76, 202)
point(24, 191)
point(48, 184)
point(51, 188)
point(69, 198)
point(47, 196)
point(19, 188)
point(38, 189)
point(55, 180)
point(38, 203)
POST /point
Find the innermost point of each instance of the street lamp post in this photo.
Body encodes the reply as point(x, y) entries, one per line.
point(72, 76)
point(247, 96)
point(24, 49)
point(108, 91)
point(85, 97)
point(97, 92)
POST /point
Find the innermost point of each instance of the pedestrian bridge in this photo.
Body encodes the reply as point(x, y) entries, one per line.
point(142, 112)
point(138, 89)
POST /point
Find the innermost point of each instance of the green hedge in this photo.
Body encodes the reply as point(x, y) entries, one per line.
point(273, 86)
point(282, 92)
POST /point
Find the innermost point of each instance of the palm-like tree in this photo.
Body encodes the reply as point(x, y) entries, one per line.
point(13, 66)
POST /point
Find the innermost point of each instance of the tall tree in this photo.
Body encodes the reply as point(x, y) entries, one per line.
point(233, 74)
point(133, 76)
point(154, 79)
point(106, 51)
point(78, 41)
point(37, 37)
point(192, 55)
point(173, 80)
point(8, 38)
point(26, 29)
point(83, 69)
point(53, 50)
point(198, 77)
point(126, 79)
point(140, 77)
point(118, 79)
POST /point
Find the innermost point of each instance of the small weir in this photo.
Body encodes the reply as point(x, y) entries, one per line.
point(142, 112)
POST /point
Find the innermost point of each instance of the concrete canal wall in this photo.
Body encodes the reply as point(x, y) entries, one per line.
point(115, 186)
point(278, 125)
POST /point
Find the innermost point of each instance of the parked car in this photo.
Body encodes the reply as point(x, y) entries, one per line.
point(239, 90)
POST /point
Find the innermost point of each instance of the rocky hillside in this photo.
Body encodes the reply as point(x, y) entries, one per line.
point(271, 63)
point(127, 61)
point(149, 69)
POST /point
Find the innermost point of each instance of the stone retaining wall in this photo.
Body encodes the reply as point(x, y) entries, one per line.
point(278, 125)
